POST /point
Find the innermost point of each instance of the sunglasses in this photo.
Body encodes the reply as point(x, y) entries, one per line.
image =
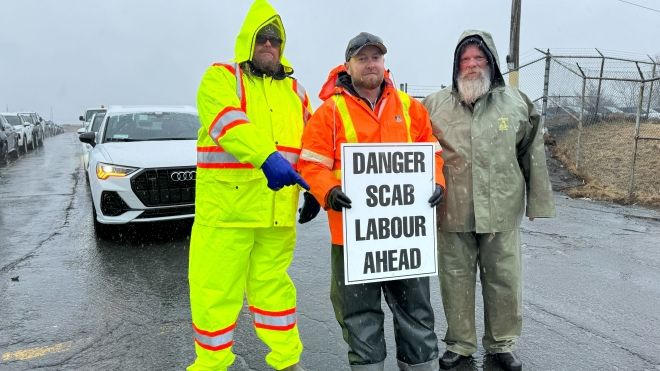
point(274, 41)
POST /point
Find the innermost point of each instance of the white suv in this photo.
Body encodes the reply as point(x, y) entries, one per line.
point(142, 165)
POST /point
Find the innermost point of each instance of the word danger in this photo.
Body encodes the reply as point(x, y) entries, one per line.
point(388, 162)
point(396, 227)
point(392, 260)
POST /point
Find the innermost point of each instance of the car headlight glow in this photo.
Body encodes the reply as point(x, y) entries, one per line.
point(104, 171)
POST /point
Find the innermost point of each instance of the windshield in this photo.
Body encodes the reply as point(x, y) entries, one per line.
point(151, 126)
point(96, 123)
point(90, 112)
point(28, 118)
point(13, 120)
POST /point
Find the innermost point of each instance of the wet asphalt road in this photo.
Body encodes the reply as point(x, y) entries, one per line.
point(70, 302)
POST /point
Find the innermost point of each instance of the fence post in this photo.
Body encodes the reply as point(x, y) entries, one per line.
point(600, 81)
point(546, 86)
point(584, 88)
point(631, 187)
point(648, 105)
point(635, 140)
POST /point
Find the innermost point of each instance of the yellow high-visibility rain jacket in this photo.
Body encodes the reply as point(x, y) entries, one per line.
point(244, 119)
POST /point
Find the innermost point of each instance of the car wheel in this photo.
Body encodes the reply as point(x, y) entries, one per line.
point(4, 156)
point(16, 150)
point(103, 231)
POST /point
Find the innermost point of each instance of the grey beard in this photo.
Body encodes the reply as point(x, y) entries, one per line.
point(471, 90)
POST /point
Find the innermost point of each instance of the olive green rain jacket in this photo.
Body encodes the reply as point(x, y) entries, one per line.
point(245, 117)
point(494, 155)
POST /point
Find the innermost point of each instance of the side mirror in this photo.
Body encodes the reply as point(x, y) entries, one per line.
point(81, 118)
point(88, 137)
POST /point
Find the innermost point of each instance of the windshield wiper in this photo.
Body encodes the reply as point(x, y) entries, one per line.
point(123, 140)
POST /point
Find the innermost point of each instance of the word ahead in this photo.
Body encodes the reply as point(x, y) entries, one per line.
point(392, 260)
point(388, 162)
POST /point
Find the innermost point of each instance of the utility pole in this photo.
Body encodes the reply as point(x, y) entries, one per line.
point(512, 60)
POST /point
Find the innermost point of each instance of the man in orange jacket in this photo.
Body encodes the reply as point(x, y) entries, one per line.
point(361, 105)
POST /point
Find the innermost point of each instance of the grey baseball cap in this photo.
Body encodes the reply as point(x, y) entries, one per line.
point(360, 41)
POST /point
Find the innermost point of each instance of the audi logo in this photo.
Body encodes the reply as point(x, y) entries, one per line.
point(180, 176)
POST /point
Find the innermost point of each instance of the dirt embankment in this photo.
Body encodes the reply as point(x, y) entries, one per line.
point(605, 162)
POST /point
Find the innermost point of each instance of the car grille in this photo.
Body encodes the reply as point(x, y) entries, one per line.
point(165, 187)
point(170, 211)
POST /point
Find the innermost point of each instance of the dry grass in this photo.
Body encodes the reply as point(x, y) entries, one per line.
point(606, 159)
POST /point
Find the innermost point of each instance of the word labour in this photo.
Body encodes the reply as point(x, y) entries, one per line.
point(396, 227)
point(388, 162)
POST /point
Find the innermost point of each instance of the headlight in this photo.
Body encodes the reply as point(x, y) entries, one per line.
point(104, 171)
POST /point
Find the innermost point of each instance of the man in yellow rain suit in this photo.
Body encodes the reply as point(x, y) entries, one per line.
point(253, 114)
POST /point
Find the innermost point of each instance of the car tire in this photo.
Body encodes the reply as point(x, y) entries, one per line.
point(16, 150)
point(4, 156)
point(102, 231)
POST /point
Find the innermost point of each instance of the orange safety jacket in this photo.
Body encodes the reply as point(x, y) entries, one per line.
point(346, 118)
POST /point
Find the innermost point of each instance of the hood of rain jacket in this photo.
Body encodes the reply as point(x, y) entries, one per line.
point(261, 13)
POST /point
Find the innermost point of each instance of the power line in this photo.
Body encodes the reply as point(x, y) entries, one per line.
point(641, 6)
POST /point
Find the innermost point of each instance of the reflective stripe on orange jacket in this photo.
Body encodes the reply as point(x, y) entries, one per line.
point(320, 159)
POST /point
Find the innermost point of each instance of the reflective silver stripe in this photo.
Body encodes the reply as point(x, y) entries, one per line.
point(226, 119)
point(228, 158)
point(285, 320)
point(437, 147)
point(291, 157)
point(216, 158)
point(215, 341)
point(310, 156)
point(237, 73)
point(300, 90)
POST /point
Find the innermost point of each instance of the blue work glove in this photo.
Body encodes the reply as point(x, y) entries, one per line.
point(309, 209)
point(437, 196)
point(337, 199)
point(280, 173)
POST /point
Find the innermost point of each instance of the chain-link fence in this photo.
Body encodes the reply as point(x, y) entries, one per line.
point(603, 111)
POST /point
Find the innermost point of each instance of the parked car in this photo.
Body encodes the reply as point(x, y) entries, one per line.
point(653, 115)
point(38, 131)
point(142, 165)
point(8, 141)
point(23, 128)
point(93, 126)
point(86, 117)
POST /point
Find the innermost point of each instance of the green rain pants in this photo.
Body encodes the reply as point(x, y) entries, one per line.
point(359, 313)
point(227, 264)
point(498, 257)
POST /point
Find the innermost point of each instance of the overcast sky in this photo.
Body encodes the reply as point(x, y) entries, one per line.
point(66, 55)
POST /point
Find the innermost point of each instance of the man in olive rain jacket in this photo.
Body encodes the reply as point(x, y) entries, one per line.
point(494, 161)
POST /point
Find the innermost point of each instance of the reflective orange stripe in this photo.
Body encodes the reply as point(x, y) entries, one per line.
point(302, 94)
point(215, 157)
point(235, 69)
point(283, 320)
point(225, 120)
point(216, 340)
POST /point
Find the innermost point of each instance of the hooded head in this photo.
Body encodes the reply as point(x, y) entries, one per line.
point(484, 41)
point(261, 24)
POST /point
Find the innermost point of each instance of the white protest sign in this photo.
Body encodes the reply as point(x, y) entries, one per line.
point(390, 230)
